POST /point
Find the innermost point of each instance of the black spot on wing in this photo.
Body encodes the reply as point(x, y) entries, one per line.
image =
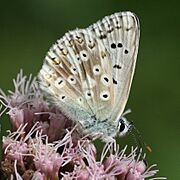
point(126, 51)
point(113, 45)
point(103, 36)
point(117, 66)
point(119, 45)
point(114, 81)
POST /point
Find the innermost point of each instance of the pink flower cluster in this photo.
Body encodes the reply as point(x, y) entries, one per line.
point(44, 144)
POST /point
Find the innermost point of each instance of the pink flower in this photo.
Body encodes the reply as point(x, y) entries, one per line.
point(115, 165)
point(54, 123)
point(26, 106)
point(38, 176)
point(47, 160)
point(16, 146)
point(45, 144)
point(24, 102)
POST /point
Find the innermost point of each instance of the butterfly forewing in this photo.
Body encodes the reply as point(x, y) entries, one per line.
point(120, 36)
point(88, 72)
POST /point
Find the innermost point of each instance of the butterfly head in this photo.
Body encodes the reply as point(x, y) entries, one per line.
point(123, 126)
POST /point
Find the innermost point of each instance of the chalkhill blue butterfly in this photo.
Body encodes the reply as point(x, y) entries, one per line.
point(88, 74)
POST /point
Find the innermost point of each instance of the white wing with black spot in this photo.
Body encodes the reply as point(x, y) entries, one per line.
point(77, 73)
point(120, 35)
point(88, 72)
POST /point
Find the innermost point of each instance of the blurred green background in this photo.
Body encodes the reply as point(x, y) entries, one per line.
point(28, 29)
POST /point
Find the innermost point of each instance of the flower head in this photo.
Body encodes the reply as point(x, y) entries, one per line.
point(47, 160)
point(27, 106)
point(24, 102)
point(45, 144)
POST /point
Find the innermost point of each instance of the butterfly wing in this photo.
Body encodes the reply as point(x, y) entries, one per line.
point(88, 72)
point(120, 36)
point(77, 74)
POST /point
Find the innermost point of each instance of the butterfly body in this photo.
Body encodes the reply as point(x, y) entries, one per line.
point(88, 73)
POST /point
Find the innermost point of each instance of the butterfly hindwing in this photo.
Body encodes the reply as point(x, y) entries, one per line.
point(78, 72)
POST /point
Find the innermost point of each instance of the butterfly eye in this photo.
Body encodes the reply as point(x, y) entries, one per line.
point(123, 126)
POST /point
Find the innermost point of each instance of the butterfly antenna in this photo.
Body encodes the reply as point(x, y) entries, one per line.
point(138, 138)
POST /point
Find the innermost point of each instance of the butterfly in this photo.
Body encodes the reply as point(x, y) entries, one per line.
point(88, 74)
